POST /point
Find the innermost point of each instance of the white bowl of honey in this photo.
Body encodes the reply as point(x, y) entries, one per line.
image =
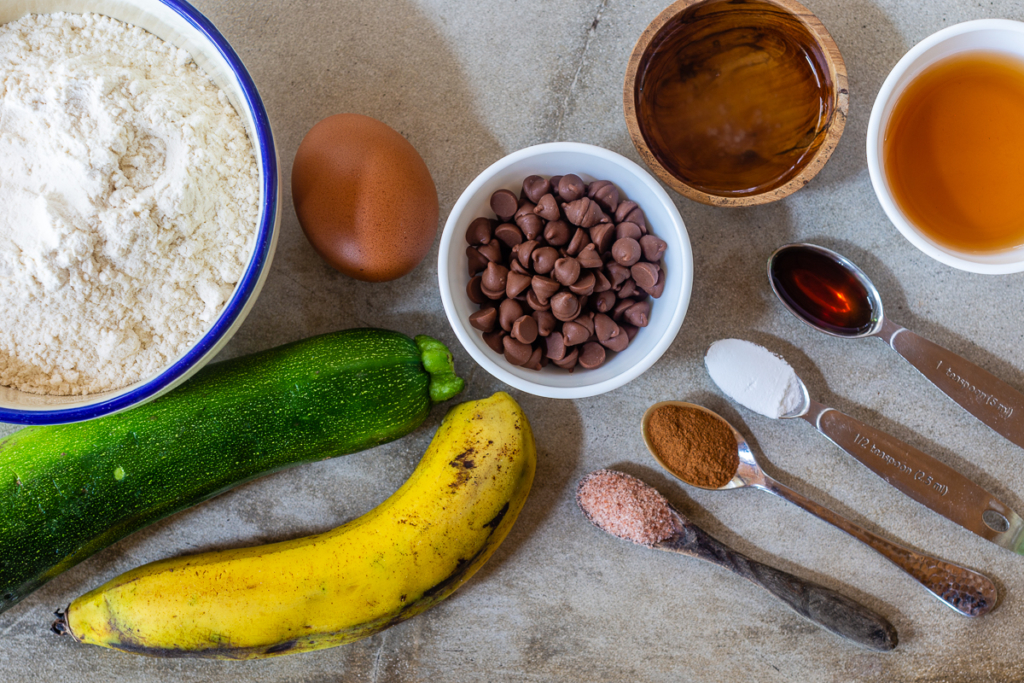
point(945, 146)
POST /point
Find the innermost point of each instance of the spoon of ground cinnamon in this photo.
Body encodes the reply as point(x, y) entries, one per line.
point(699, 447)
point(628, 508)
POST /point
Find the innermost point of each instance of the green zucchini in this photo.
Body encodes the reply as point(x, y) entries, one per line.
point(68, 491)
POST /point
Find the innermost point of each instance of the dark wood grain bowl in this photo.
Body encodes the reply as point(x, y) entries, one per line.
point(801, 153)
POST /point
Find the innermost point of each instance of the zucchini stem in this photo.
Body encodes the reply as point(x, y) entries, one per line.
point(437, 361)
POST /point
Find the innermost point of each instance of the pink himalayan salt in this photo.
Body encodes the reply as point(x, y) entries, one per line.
point(625, 507)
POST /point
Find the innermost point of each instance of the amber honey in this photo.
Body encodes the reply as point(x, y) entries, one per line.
point(954, 152)
point(734, 97)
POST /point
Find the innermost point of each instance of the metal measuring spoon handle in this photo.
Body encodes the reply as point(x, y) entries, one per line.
point(968, 592)
point(977, 391)
point(922, 477)
point(830, 610)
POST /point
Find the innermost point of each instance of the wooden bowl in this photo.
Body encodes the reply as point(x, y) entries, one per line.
point(735, 102)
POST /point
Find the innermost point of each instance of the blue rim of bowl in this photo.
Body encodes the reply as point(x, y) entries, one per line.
point(264, 144)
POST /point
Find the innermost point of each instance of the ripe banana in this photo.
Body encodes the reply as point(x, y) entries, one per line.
point(392, 563)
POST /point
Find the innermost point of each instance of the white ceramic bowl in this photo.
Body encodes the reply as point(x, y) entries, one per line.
point(182, 25)
point(992, 35)
point(590, 163)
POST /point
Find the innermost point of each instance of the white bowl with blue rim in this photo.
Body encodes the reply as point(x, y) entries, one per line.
point(180, 24)
point(590, 163)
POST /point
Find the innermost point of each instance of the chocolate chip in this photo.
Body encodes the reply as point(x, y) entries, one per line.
point(645, 274)
point(605, 327)
point(569, 361)
point(658, 289)
point(605, 194)
point(602, 235)
point(630, 330)
point(509, 234)
point(631, 230)
point(557, 233)
point(516, 283)
point(535, 187)
point(653, 247)
point(554, 345)
point(508, 312)
point(589, 258)
point(475, 261)
point(494, 278)
point(601, 283)
point(524, 251)
point(626, 251)
point(567, 270)
point(547, 208)
point(620, 308)
point(638, 314)
point(544, 287)
point(579, 240)
point(525, 329)
point(583, 212)
point(473, 291)
point(604, 301)
point(628, 289)
point(525, 209)
point(592, 356)
point(570, 187)
point(531, 225)
point(479, 231)
point(536, 361)
point(485, 319)
point(574, 333)
point(493, 340)
point(504, 204)
point(517, 267)
point(616, 274)
point(546, 323)
point(617, 343)
point(535, 303)
point(491, 251)
point(544, 259)
point(516, 352)
point(584, 285)
point(629, 212)
point(565, 306)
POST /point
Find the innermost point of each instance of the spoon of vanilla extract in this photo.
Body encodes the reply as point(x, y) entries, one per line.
point(831, 294)
point(966, 591)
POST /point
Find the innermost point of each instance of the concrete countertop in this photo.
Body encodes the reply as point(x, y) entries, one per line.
point(467, 83)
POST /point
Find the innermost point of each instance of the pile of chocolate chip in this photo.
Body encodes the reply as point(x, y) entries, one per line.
point(564, 274)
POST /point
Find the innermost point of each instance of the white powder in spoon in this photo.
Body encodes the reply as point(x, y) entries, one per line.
point(754, 377)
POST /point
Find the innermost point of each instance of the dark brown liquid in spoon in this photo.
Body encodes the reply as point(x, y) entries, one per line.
point(822, 291)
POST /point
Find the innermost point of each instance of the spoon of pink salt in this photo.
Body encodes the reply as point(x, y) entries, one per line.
point(628, 508)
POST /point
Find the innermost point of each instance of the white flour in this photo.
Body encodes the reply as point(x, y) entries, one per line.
point(754, 377)
point(128, 203)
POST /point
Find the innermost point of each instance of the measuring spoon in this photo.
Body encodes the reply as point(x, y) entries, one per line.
point(832, 295)
point(917, 474)
point(966, 591)
point(830, 610)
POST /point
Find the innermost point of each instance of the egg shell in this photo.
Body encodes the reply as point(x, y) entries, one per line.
point(364, 197)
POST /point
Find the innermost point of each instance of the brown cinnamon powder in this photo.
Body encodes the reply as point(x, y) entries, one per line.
point(697, 447)
point(625, 507)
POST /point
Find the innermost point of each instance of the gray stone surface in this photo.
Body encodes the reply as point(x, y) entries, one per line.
point(468, 83)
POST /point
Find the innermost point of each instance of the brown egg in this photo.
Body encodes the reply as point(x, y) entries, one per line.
point(364, 197)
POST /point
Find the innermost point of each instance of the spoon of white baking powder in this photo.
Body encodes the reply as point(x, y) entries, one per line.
point(763, 382)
